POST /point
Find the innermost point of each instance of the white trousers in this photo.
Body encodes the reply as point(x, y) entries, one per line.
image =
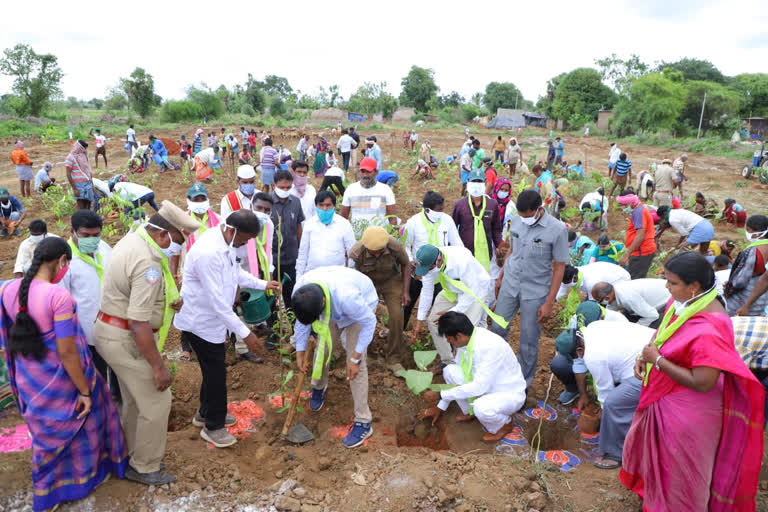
point(475, 313)
point(493, 410)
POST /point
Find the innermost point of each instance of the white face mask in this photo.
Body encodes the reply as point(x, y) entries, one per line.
point(263, 217)
point(282, 194)
point(503, 194)
point(757, 235)
point(199, 207)
point(680, 306)
point(36, 239)
point(232, 248)
point(171, 250)
point(530, 221)
point(432, 215)
point(475, 189)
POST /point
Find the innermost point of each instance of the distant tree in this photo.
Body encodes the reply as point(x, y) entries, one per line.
point(453, 99)
point(371, 98)
point(654, 103)
point(580, 94)
point(277, 106)
point(308, 102)
point(695, 69)
point(618, 73)
point(254, 95)
point(418, 88)
point(753, 88)
point(544, 104)
point(116, 100)
point(477, 99)
point(97, 103)
point(140, 90)
point(224, 95)
point(36, 77)
point(278, 86)
point(723, 104)
point(329, 98)
point(73, 102)
point(502, 95)
point(211, 105)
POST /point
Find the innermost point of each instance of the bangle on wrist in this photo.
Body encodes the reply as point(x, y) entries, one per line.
point(86, 395)
point(656, 364)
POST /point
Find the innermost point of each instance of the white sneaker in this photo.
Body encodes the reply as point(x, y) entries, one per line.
point(220, 438)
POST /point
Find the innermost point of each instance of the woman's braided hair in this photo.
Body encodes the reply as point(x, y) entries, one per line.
point(25, 337)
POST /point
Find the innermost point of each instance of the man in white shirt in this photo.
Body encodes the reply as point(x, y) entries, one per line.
point(489, 384)
point(585, 277)
point(242, 196)
point(641, 300)
point(133, 193)
point(693, 228)
point(466, 285)
point(608, 351)
point(562, 365)
point(465, 168)
point(339, 304)
point(90, 255)
point(130, 138)
point(302, 189)
point(613, 157)
point(430, 226)
point(368, 202)
point(101, 148)
point(211, 280)
point(38, 231)
point(345, 145)
point(326, 238)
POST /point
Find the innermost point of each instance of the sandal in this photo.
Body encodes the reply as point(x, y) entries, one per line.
point(607, 462)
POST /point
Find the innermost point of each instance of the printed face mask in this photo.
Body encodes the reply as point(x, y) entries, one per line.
point(247, 188)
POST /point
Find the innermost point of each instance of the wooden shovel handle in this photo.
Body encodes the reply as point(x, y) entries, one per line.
point(297, 392)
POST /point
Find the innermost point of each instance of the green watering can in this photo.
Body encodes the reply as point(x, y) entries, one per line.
point(255, 306)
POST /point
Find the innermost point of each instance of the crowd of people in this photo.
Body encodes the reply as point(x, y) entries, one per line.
point(83, 325)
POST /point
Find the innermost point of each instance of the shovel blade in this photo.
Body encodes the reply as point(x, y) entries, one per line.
point(299, 434)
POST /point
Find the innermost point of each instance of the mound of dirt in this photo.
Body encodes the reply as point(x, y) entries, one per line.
point(172, 146)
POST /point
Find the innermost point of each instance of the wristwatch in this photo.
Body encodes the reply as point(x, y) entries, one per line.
point(356, 361)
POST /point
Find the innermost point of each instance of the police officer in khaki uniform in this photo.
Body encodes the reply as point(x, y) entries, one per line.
point(384, 260)
point(132, 311)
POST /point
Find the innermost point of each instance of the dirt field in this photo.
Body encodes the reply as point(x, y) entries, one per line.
point(404, 466)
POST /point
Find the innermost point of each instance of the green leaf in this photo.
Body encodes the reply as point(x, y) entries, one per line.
point(284, 408)
point(417, 381)
point(288, 377)
point(424, 358)
point(401, 373)
point(440, 387)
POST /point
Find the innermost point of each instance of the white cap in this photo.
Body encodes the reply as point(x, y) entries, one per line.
point(246, 172)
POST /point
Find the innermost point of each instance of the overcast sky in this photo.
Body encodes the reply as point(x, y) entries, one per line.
point(313, 44)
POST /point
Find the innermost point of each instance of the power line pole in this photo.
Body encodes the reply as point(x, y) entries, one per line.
point(701, 117)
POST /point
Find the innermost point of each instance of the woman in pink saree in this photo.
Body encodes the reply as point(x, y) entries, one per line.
point(696, 440)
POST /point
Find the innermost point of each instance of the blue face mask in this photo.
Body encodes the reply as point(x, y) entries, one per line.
point(247, 188)
point(325, 216)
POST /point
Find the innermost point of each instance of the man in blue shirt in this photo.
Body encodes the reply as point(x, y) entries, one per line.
point(374, 151)
point(160, 154)
point(11, 213)
point(559, 150)
point(332, 301)
point(550, 155)
point(387, 177)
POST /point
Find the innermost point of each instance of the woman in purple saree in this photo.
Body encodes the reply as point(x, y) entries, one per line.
point(77, 441)
point(696, 440)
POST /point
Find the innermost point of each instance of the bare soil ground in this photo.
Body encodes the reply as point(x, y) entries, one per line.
point(404, 466)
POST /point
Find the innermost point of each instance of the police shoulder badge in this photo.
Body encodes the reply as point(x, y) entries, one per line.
point(152, 276)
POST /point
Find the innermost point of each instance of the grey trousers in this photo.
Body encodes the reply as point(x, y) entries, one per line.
point(507, 305)
point(618, 408)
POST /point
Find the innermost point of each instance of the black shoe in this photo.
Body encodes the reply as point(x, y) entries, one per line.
point(251, 358)
point(154, 478)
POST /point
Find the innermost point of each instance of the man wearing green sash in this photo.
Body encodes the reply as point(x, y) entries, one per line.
point(478, 220)
point(466, 289)
point(90, 255)
point(137, 302)
point(339, 305)
point(485, 376)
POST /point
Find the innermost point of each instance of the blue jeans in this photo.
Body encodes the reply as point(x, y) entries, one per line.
point(507, 305)
point(147, 198)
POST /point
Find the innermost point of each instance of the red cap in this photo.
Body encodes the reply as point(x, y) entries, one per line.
point(368, 164)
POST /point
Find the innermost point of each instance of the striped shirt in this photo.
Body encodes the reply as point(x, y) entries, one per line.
point(367, 204)
point(623, 167)
point(751, 338)
point(268, 157)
